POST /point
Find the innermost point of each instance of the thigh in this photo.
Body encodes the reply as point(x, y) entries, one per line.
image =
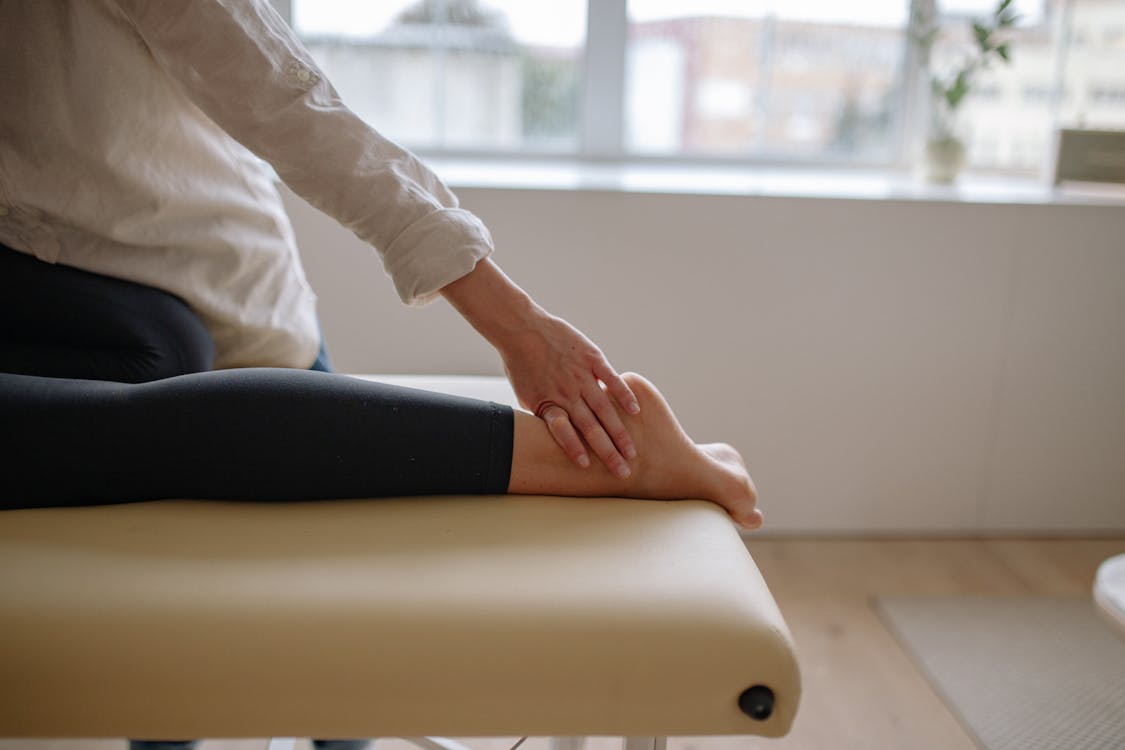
point(58, 321)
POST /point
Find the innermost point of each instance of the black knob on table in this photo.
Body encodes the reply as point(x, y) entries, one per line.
point(757, 702)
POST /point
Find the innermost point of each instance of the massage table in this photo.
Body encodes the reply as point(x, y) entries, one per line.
point(405, 617)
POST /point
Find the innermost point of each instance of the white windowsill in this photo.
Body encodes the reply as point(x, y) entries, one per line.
point(764, 182)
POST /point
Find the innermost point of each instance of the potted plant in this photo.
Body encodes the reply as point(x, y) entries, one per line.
point(945, 148)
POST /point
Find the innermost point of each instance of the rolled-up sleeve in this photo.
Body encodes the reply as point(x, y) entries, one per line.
point(241, 64)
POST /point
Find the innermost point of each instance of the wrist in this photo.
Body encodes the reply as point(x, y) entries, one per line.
point(494, 305)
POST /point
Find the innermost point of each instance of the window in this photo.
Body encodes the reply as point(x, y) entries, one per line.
point(1014, 130)
point(793, 78)
point(1095, 68)
point(1011, 127)
point(781, 81)
point(448, 74)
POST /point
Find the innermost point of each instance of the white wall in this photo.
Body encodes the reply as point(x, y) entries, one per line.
point(884, 365)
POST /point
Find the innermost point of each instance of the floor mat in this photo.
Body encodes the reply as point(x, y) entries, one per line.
point(1020, 673)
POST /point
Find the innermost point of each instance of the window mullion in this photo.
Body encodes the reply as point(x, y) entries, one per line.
point(603, 90)
point(914, 105)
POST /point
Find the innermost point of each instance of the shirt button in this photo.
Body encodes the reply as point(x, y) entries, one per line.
point(303, 75)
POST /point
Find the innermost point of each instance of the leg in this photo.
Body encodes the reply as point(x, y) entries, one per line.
point(254, 434)
point(63, 322)
point(297, 435)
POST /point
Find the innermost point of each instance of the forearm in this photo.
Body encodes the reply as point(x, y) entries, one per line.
point(494, 305)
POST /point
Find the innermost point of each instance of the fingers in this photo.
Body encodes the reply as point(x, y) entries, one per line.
point(604, 431)
point(617, 388)
point(753, 521)
point(558, 423)
point(591, 428)
point(594, 423)
point(607, 427)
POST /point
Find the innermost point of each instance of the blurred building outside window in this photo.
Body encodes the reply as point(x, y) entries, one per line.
point(453, 74)
point(717, 81)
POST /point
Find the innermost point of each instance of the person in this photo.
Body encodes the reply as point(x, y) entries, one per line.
point(158, 337)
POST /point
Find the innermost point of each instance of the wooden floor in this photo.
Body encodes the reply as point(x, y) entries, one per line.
point(860, 689)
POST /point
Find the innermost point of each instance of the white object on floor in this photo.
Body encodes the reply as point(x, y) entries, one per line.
point(1109, 591)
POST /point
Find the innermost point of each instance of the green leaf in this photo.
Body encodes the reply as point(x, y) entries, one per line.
point(982, 34)
point(1004, 53)
point(959, 90)
point(1003, 6)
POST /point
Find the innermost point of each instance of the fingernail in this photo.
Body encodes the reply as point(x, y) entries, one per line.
point(584, 461)
point(623, 472)
point(630, 452)
point(634, 408)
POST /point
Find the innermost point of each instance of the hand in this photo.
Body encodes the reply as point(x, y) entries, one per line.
point(563, 378)
point(555, 371)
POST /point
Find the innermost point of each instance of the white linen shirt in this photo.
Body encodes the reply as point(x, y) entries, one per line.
point(132, 140)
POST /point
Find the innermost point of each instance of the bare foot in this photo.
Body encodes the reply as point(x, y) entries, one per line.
point(669, 465)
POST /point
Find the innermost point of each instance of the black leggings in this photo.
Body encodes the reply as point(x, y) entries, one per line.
point(257, 434)
point(63, 322)
point(254, 434)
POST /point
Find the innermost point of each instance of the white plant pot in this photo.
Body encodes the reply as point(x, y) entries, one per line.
point(945, 157)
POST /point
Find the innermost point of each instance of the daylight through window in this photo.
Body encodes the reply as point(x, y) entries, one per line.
point(809, 81)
